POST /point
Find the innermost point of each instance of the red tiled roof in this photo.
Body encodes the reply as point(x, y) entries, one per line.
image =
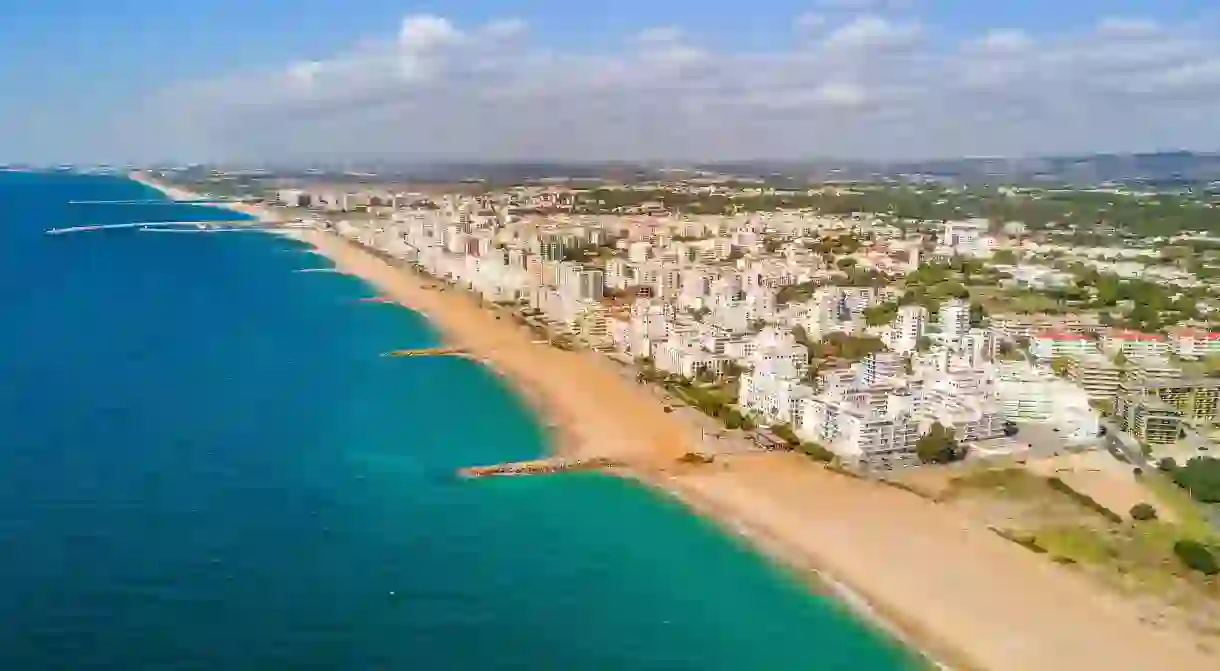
point(1060, 335)
point(1197, 334)
point(1135, 335)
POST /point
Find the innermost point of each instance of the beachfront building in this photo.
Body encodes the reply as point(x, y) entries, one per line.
point(684, 357)
point(1027, 393)
point(773, 393)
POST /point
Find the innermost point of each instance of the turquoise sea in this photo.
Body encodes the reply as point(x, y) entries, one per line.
point(204, 464)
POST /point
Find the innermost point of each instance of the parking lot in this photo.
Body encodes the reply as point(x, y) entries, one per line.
point(1032, 441)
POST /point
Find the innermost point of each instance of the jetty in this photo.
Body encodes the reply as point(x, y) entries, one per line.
point(162, 201)
point(209, 226)
point(549, 466)
point(428, 351)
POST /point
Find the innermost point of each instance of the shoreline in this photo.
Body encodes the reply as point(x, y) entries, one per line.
point(925, 576)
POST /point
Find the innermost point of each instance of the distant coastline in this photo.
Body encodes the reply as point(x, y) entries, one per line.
point(975, 601)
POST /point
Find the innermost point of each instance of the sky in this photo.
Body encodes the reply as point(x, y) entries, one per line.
point(273, 80)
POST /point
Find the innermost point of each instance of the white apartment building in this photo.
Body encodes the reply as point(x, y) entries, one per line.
point(1134, 343)
point(954, 317)
point(1192, 344)
point(860, 432)
point(772, 344)
point(1096, 375)
point(686, 358)
point(1049, 345)
point(907, 328)
point(773, 393)
point(881, 366)
point(1029, 394)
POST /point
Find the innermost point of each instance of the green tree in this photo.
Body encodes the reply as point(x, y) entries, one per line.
point(1060, 365)
point(938, 446)
point(800, 334)
point(923, 344)
point(977, 314)
point(1006, 257)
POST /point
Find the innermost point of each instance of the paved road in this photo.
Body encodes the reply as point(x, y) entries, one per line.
point(1126, 445)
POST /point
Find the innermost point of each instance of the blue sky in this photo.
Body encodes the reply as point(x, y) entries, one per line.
point(136, 79)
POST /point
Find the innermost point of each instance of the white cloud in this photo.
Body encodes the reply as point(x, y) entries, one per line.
point(1002, 42)
point(865, 85)
point(425, 32)
point(505, 29)
point(873, 32)
point(659, 35)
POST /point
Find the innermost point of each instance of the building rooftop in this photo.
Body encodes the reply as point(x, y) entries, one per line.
point(1127, 334)
point(1059, 335)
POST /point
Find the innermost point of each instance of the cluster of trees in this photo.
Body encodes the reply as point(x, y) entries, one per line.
point(932, 284)
point(842, 346)
point(1200, 477)
point(839, 245)
point(1164, 215)
point(1150, 300)
point(795, 293)
point(939, 446)
point(813, 450)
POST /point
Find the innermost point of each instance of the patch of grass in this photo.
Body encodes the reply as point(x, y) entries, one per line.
point(1011, 482)
point(1081, 544)
point(1191, 519)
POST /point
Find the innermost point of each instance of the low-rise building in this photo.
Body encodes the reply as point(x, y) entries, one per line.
point(1099, 377)
point(1049, 345)
point(1134, 343)
point(1148, 419)
point(1193, 344)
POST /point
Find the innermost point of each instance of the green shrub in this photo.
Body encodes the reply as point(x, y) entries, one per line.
point(817, 452)
point(1143, 512)
point(1196, 557)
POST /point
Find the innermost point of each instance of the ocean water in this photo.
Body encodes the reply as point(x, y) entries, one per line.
point(204, 464)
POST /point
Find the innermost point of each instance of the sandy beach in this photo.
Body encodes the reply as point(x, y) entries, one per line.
point(948, 584)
